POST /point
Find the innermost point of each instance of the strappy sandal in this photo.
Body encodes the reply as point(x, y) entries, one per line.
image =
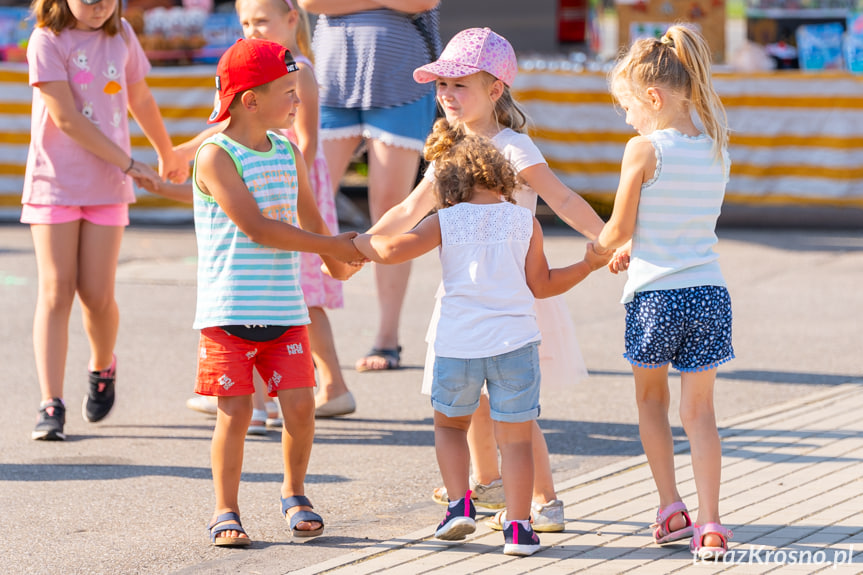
point(226, 541)
point(697, 547)
point(662, 533)
point(392, 357)
point(301, 515)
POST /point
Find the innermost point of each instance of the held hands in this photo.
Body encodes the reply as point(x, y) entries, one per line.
point(344, 261)
point(174, 167)
point(620, 261)
point(143, 175)
point(594, 258)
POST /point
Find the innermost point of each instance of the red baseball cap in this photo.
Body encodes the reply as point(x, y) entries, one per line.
point(246, 65)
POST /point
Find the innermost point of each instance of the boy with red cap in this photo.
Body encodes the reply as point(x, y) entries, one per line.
point(251, 197)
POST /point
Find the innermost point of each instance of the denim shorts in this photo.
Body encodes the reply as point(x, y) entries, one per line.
point(689, 328)
point(512, 379)
point(405, 126)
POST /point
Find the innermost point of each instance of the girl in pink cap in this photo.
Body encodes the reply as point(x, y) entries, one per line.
point(474, 77)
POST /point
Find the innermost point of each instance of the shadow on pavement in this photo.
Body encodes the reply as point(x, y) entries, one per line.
point(100, 471)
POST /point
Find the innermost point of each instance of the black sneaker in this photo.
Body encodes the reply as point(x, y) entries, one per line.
point(100, 399)
point(52, 418)
point(459, 522)
point(519, 540)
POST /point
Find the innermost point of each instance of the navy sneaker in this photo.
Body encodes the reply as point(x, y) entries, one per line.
point(52, 418)
point(519, 540)
point(100, 399)
point(460, 520)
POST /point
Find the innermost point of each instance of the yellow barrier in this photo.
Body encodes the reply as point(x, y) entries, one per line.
point(797, 138)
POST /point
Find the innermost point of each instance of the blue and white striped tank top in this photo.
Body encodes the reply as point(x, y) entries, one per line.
point(241, 282)
point(675, 229)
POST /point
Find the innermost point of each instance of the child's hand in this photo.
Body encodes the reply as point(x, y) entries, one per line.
point(174, 167)
point(144, 175)
point(346, 251)
point(595, 259)
point(620, 261)
point(343, 271)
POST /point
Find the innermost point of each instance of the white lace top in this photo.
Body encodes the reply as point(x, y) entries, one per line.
point(487, 308)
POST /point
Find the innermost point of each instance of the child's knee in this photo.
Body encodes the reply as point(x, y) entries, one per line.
point(297, 404)
point(693, 414)
point(461, 423)
point(235, 409)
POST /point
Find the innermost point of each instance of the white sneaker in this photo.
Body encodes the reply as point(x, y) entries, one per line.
point(258, 425)
point(202, 404)
point(548, 518)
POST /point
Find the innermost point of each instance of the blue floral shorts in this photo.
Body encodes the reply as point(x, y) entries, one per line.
point(689, 327)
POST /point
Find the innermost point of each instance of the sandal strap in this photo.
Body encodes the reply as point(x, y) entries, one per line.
point(305, 515)
point(229, 516)
point(723, 532)
point(295, 501)
point(663, 515)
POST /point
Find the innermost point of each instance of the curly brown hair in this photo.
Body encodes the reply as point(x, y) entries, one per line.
point(472, 161)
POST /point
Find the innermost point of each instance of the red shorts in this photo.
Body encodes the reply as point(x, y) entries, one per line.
point(225, 362)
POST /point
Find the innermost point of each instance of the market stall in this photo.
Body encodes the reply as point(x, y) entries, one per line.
point(797, 136)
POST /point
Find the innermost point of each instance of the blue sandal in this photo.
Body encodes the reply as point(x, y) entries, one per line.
point(301, 515)
point(227, 541)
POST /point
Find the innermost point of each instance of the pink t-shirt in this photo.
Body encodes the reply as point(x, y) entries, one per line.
point(99, 68)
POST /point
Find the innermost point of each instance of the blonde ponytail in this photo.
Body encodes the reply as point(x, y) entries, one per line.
point(680, 61)
point(693, 52)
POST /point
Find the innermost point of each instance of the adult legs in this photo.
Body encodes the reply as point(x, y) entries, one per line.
point(392, 172)
point(331, 382)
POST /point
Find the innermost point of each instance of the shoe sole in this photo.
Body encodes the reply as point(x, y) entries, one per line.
point(103, 418)
point(48, 436)
point(520, 550)
point(457, 529)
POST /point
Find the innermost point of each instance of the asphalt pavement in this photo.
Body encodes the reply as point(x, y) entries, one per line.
point(132, 494)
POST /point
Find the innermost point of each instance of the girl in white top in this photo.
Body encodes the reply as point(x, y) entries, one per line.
point(493, 266)
point(473, 76)
point(678, 310)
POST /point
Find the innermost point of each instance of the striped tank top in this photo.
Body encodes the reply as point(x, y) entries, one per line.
point(241, 282)
point(675, 229)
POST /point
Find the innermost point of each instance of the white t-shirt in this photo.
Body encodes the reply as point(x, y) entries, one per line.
point(521, 153)
point(487, 307)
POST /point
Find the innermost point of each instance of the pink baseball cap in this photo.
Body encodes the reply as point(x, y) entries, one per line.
point(471, 51)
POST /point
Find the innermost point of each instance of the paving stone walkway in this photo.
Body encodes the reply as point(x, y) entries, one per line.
point(792, 490)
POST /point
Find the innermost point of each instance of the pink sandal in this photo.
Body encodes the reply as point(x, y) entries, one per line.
point(662, 533)
point(697, 547)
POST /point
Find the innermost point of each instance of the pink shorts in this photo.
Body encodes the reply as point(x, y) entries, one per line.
point(225, 362)
point(101, 215)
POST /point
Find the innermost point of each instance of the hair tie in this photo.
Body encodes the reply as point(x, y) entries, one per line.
point(665, 39)
point(290, 5)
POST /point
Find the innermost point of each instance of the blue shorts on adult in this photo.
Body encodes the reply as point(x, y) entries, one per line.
point(689, 328)
point(512, 380)
point(405, 126)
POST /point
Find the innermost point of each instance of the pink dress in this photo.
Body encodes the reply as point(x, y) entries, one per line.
point(319, 289)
